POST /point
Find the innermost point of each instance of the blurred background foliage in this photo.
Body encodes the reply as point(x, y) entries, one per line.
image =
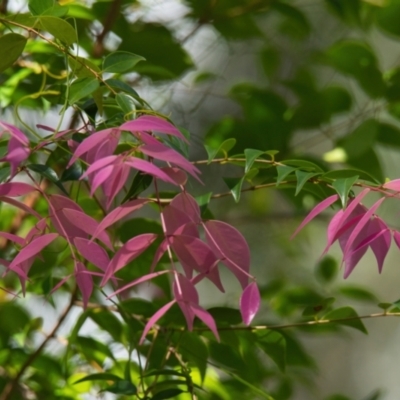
point(312, 80)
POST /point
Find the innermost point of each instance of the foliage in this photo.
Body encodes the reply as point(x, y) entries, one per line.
point(105, 204)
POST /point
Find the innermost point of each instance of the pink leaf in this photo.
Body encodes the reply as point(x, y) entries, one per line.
point(338, 226)
point(164, 153)
point(148, 168)
point(84, 282)
point(152, 321)
point(91, 142)
point(176, 174)
point(151, 123)
point(393, 185)
point(396, 237)
point(92, 252)
point(315, 211)
point(33, 248)
point(137, 281)
point(184, 290)
point(16, 154)
point(128, 252)
point(20, 205)
point(230, 247)
point(114, 185)
point(13, 238)
point(195, 254)
point(118, 213)
point(161, 249)
point(249, 302)
point(87, 224)
point(381, 245)
point(174, 219)
point(14, 132)
point(363, 221)
point(100, 164)
point(188, 205)
point(15, 189)
point(206, 317)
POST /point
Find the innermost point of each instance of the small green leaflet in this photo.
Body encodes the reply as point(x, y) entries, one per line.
point(235, 184)
point(302, 178)
point(60, 29)
point(73, 173)
point(81, 88)
point(303, 164)
point(251, 155)
point(224, 148)
point(343, 187)
point(346, 316)
point(47, 173)
point(12, 45)
point(283, 171)
point(121, 61)
point(203, 201)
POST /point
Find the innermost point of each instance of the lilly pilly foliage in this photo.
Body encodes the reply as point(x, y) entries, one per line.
point(111, 211)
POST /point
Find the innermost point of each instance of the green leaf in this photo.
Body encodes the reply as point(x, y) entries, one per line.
point(283, 171)
point(361, 139)
point(251, 155)
point(81, 67)
point(103, 376)
point(81, 88)
point(108, 322)
point(195, 351)
point(60, 29)
point(327, 269)
point(349, 316)
point(304, 164)
point(274, 345)
point(140, 183)
point(121, 387)
point(49, 174)
point(385, 306)
point(12, 45)
point(224, 148)
point(349, 173)
point(121, 61)
point(37, 7)
point(347, 10)
point(167, 372)
point(355, 58)
point(235, 186)
point(387, 17)
point(124, 87)
point(168, 394)
point(358, 293)
point(125, 102)
point(343, 187)
point(302, 178)
point(203, 202)
point(4, 173)
point(73, 173)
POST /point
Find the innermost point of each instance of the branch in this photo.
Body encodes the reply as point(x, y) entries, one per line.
point(13, 383)
point(257, 327)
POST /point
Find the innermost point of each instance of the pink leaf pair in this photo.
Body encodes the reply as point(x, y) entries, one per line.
point(18, 147)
